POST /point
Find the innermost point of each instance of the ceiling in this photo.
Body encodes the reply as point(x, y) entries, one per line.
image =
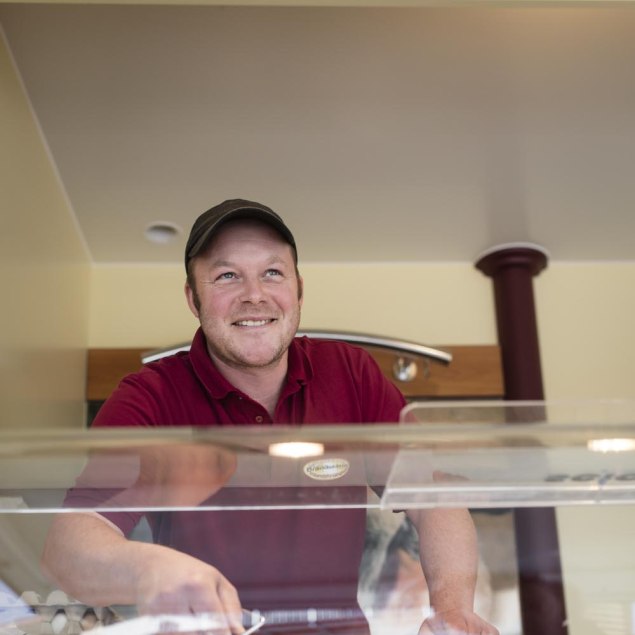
point(380, 134)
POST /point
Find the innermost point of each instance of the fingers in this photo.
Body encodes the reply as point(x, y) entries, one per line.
point(188, 587)
point(223, 602)
point(232, 608)
point(425, 629)
point(457, 623)
point(165, 602)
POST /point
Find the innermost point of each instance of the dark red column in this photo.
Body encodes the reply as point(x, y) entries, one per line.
point(512, 268)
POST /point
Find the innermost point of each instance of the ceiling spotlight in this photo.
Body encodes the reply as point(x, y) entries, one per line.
point(162, 233)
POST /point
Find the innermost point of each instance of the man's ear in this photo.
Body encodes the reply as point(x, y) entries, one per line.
point(190, 294)
point(300, 289)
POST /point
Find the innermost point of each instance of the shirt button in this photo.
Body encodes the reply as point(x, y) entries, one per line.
point(259, 419)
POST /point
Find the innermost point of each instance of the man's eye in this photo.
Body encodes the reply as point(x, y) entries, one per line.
point(228, 275)
point(272, 273)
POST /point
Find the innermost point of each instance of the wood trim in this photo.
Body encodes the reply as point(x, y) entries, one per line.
point(106, 367)
point(475, 371)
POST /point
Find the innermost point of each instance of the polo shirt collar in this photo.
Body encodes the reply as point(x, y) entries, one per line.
point(299, 371)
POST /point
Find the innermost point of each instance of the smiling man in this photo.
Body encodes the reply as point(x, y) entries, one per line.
point(246, 366)
point(244, 287)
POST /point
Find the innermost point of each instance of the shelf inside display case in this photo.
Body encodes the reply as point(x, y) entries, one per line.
point(477, 455)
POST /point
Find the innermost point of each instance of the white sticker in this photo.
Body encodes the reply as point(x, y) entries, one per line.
point(326, 469)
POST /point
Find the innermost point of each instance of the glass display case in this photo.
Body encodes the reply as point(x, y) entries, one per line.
point(311, 523)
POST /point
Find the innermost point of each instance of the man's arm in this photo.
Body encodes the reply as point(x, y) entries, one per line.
point(449, 558)
point(94, 563)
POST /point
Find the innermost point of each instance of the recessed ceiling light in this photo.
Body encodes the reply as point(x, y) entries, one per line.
point(162, 232)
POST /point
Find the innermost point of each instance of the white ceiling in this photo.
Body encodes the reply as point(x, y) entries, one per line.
point(396, 134)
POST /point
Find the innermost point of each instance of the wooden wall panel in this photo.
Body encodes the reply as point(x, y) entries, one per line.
point(475, 371)
point(106, 367)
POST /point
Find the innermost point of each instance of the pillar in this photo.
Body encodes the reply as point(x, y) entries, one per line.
point(512, 268)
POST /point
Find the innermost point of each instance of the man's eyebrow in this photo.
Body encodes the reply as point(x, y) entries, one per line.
point(221, 262)
point(275, 260)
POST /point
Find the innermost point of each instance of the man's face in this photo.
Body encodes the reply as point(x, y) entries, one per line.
point(247, 295)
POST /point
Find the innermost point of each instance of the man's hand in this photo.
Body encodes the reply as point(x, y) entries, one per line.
point(457, 622)
point(156, 579)
point(174, 583)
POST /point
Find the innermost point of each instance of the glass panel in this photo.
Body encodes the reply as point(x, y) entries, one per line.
point(295, 498)
point(553, 454)
point(521, 454)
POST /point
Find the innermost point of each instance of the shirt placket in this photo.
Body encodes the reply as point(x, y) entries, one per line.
point(250, 411)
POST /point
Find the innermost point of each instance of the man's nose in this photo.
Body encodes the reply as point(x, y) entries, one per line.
point(253, 290)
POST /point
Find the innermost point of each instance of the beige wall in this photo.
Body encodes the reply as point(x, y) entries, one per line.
point(436, 304)
point(585, 318)
point(44, 276)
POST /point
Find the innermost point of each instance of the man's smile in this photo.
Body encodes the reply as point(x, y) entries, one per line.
point(251, 323)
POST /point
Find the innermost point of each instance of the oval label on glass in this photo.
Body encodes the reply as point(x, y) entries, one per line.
point(326, 469)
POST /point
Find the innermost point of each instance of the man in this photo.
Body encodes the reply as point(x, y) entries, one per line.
point(245, 366)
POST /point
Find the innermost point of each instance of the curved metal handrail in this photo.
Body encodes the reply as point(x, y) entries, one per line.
point(160, 353)
point(399, 346)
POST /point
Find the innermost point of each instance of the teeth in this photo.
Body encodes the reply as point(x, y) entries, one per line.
point(252, 322)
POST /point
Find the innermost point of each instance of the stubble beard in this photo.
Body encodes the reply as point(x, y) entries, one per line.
point(227, 350)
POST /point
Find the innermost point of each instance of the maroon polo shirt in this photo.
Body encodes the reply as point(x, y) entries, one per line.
point(327, 382)
point(277, 558)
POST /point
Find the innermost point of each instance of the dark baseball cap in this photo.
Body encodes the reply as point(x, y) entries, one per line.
point(209, 222)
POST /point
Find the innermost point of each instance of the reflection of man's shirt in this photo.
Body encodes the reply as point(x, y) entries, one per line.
point(275, 557)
